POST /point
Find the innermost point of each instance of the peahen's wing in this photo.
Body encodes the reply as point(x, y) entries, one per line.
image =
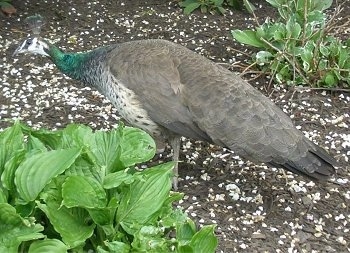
point(192, 96)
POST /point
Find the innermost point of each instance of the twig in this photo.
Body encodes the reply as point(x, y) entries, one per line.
point(299, 88)
point(289, 60)
point(17, 31)
point(239, 51)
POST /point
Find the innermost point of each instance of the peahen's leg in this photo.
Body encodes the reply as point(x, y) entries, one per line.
point(175, 144)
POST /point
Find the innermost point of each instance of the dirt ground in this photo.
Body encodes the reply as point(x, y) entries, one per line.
point(255, 208)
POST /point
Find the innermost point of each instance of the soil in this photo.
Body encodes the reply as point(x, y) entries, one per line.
point(256, 209)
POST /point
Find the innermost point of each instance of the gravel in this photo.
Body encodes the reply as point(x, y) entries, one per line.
point(256, 208)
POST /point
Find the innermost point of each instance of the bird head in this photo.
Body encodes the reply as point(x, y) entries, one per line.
point(34, 45)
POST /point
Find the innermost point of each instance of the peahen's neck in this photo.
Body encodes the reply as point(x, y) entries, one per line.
point(87, 67)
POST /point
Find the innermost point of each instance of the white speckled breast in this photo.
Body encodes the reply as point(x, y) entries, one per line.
point(128, 106)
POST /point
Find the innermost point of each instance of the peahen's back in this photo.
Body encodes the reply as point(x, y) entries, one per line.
point(194, 97)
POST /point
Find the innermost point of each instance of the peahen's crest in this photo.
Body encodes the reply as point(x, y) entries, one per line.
point(35, 23)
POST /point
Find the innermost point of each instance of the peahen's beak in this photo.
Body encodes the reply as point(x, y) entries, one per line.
point(20, 49)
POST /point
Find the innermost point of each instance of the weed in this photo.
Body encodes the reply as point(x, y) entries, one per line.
point(298, 48)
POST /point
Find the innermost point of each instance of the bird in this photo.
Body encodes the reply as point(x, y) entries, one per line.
point(170, 91)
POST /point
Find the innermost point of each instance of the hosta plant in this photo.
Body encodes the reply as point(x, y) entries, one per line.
point(79, 190)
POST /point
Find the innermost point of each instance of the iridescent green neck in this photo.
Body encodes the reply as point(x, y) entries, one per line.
point(71, 64)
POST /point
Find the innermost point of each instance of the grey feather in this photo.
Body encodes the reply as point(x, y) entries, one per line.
point(194, 97)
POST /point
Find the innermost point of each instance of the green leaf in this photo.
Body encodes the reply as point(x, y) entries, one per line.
point(185, 232)
point(144, 197)
point(115, 179)
point(263, 57)
point(79, 191)
point(249, 6)
point(105, 216)
point(187, 2)
point(191, 7)
point(184, 249)
point(11, 140)
point(149, 239)
point(324, 50)
point(204, 240)
point(221, 10)
point(71, 224)
point(36, 171)
point(137, 146)
point(115, 246)
point(330, 79)
point(3, 195)
point(35, 144)
point(51, 139)
point(275, 3)
point(293, 28)
point(48, 245)
point(322, 5)
point(344, 57)
point(83, 166)
point(106, 148)
point(247, 37)
point(8, 175)
point(14, 229)
point(75, 135)
point(173, 218)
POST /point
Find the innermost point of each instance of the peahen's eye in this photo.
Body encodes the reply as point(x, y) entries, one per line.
point(29, 42)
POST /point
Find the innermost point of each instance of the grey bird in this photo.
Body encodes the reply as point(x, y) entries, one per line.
point(170, 91)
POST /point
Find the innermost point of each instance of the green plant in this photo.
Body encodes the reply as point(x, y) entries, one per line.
point(298, 49)
point(204, 5)
point(77, 190)
point(212, 6)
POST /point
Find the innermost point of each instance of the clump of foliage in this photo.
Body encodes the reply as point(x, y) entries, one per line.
point(77, 190)
point(211, 6)
point(298, 48)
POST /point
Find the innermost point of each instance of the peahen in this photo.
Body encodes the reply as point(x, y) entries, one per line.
point(170, 91)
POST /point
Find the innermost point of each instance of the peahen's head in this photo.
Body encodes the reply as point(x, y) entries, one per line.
point(34, 45)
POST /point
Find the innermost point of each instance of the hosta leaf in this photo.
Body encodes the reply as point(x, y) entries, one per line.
point(51, 139)
point(11, 140)
point(115, 246)
point(7, 177)
point(83, 192)
point(185, 232)
point(14, 229)
point(76, 136)
point(48, 245)
point(3, 195)
point(149, 239)
point(204, 240)
point(36, 171)
point(137, 146)
point(106, 148)
point(145, 197)
point(83, 166)
point(35, 144)
point(115, 179)
point(69, 223)
point(247, 37)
